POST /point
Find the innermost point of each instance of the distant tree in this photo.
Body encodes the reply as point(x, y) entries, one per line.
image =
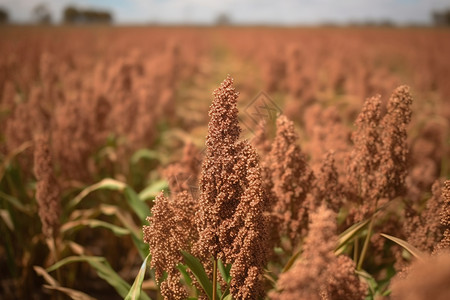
point(74, 15)
point(441, 18)
point(4, 16)
point(223, 19)
point(71, 15)
point(41, 14)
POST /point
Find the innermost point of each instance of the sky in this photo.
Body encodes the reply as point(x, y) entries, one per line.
point(272, 12)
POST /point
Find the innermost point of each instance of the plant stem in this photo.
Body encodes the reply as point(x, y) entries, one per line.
point(53, 246)
point(214, 293)
point(355, 249)
point(366, 243)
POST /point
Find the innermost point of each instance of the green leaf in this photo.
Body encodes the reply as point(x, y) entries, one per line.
point(371, 282)
point(135, 291)
point(16, 203)
point(228, 297)
point(224, 271)
point(144, 153)
point(348, 235)
point(124, 217)
point(407, 246)
point(183, 270)
point(93, 223)
point(140, 208)
point(151, 191)
point(103, 269)
point(291, 261)
point(11, 155)
point(105, 184)
point(199, 272)
point(142, 247)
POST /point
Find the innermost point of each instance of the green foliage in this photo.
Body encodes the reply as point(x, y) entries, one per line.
point(346, 237)
point(199, 272)
point(135, 290)
point(103, 269)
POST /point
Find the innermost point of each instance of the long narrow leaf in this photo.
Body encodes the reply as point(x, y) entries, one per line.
point(47, 277)
point(73, 294)
point(135, 291)
point(93, 223)
point(348, 235)
point(105, 184)
point(199, 272)
point(6, 217)
point(7, 160)
point(140, 208)
point(291, 261)
point(407, 246)
point(124, 217)
point(153, 190)
point(16, 203)
point(144, 153)
point(224, 270)
point(54, 285)
point(183, 269)
point(103, 269)
point(371, 282)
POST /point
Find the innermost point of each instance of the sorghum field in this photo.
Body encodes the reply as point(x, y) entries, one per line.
point(224, 163)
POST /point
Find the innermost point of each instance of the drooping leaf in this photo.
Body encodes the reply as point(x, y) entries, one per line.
point(144, 154)
point(93, 223)
point(105, 184)
point(407, 246)
point(73, 294)
point(16, 203)
point(139, 207)
point(54, 285)
point(103, 269)
point(47, 277)
point(11, 155)
point(151, 191)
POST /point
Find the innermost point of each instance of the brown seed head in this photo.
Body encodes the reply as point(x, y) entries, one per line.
point(169, 232)
point(292, 180)
point(394, 152)
point(47, 189)
point(231, 204)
